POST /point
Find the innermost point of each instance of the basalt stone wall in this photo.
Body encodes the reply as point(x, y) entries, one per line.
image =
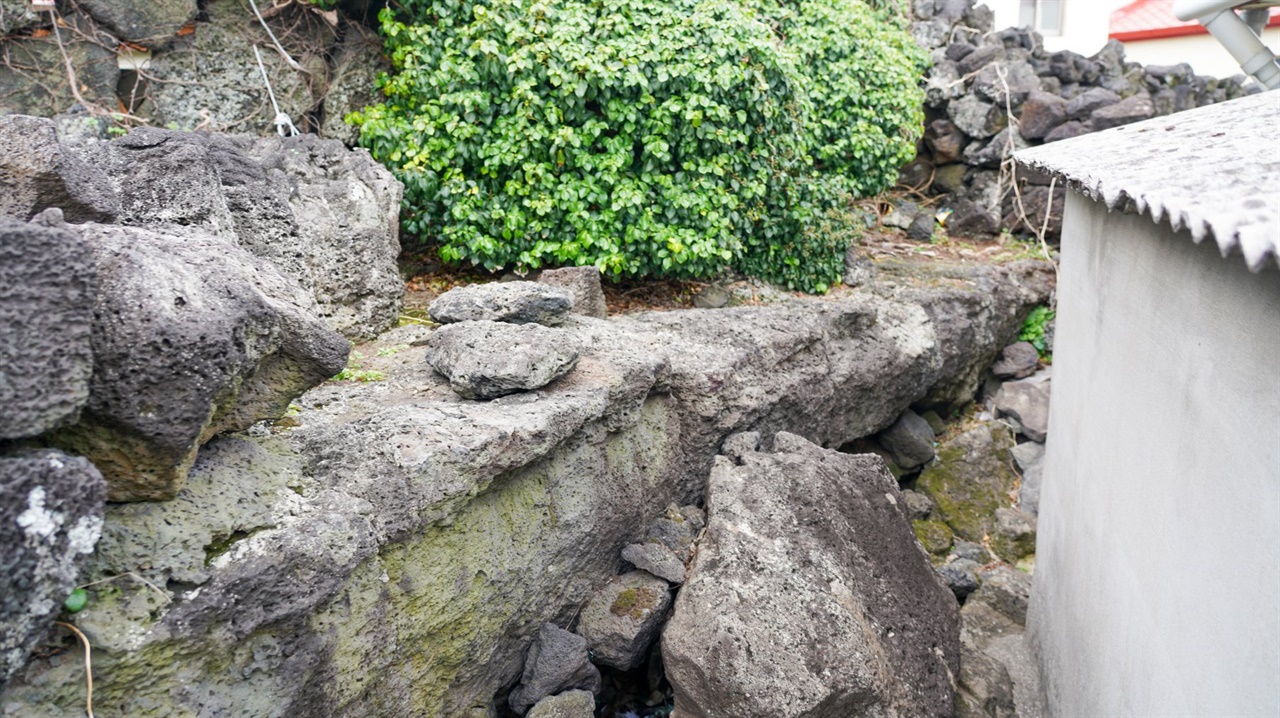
point(991, 92)
point(189, 65)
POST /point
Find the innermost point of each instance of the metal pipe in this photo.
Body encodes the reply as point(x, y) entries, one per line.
point(1256, 18)
point(1233, 33)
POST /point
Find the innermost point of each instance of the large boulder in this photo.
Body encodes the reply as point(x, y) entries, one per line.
point(37, 172)
point(50, 518)
point(391, 549)
point(324, 215)
point(48, 283)
point(345, 219)
point(809, 597)
point(192, 336)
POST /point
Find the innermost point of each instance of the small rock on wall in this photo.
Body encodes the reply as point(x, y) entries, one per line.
point(809, 596)
point(486, 360)
point(50, 518)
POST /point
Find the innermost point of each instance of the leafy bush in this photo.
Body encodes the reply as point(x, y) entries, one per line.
point(1034, 328)
point(647, 137)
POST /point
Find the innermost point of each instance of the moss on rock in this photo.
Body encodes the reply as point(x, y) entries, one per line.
point(936, 536)
point(972, 477)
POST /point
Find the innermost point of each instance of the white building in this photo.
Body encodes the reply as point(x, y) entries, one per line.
point(1150, 32)
point(1157, 583)
point(1079, 25)
point(1153, 36)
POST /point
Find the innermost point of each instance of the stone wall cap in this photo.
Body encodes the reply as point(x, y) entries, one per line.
point(1213, 171)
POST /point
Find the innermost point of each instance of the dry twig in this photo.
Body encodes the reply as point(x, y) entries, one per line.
point(88, 664)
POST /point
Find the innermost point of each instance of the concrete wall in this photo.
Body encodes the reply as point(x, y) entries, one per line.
point(1085, 23)
point(1205, 54)
point(1157, 586)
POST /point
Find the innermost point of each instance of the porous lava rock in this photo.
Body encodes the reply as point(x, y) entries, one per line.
point(809, 596)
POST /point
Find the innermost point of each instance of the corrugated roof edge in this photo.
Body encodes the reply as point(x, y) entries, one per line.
point(1137, 174)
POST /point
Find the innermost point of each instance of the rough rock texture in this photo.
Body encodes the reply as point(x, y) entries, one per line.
point(210, 79)
point(1027, 401)
point(574, 704)
point(1126, 111)
point(1030, 459)
point(1041, 114)
point(202, 72)
point(50, 519)
point(972, 477)
point(513, 302)
point(998, 674)
point(33, 79)
point(1017, 361)
point(150, 23)
point(192, 336)
point(324, 215)
point(961, 576)
point(486, 360)
point(584, 284)
point(394, 551)
point(657, 559)
point(47, 285)
point(37, 172)
point(624, 618)
point(678, 527)
point(352, 81)
point(808, 596)
point(1015, 534)
point(557, 662)
point(17, 15)
point(909, 440)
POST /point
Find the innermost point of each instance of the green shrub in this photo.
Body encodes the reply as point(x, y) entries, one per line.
point(647, 137)
point(1034, 328)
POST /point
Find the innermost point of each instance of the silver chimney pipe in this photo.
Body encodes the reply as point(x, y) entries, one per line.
point(1235, 34)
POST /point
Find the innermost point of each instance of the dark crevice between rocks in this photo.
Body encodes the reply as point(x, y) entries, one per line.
point(640, 693)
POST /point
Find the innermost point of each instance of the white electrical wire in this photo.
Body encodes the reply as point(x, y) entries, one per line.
point(272, 35)
point(281, 121)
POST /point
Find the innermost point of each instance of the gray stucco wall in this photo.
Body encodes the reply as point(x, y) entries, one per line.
point(1157, 586)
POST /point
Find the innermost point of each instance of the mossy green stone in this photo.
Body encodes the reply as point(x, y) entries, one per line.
point(971, 478)
point(935, 535)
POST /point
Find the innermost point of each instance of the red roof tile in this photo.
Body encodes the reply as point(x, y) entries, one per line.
point(1153, 19)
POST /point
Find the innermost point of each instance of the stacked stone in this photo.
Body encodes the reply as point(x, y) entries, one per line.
point(989, 93)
